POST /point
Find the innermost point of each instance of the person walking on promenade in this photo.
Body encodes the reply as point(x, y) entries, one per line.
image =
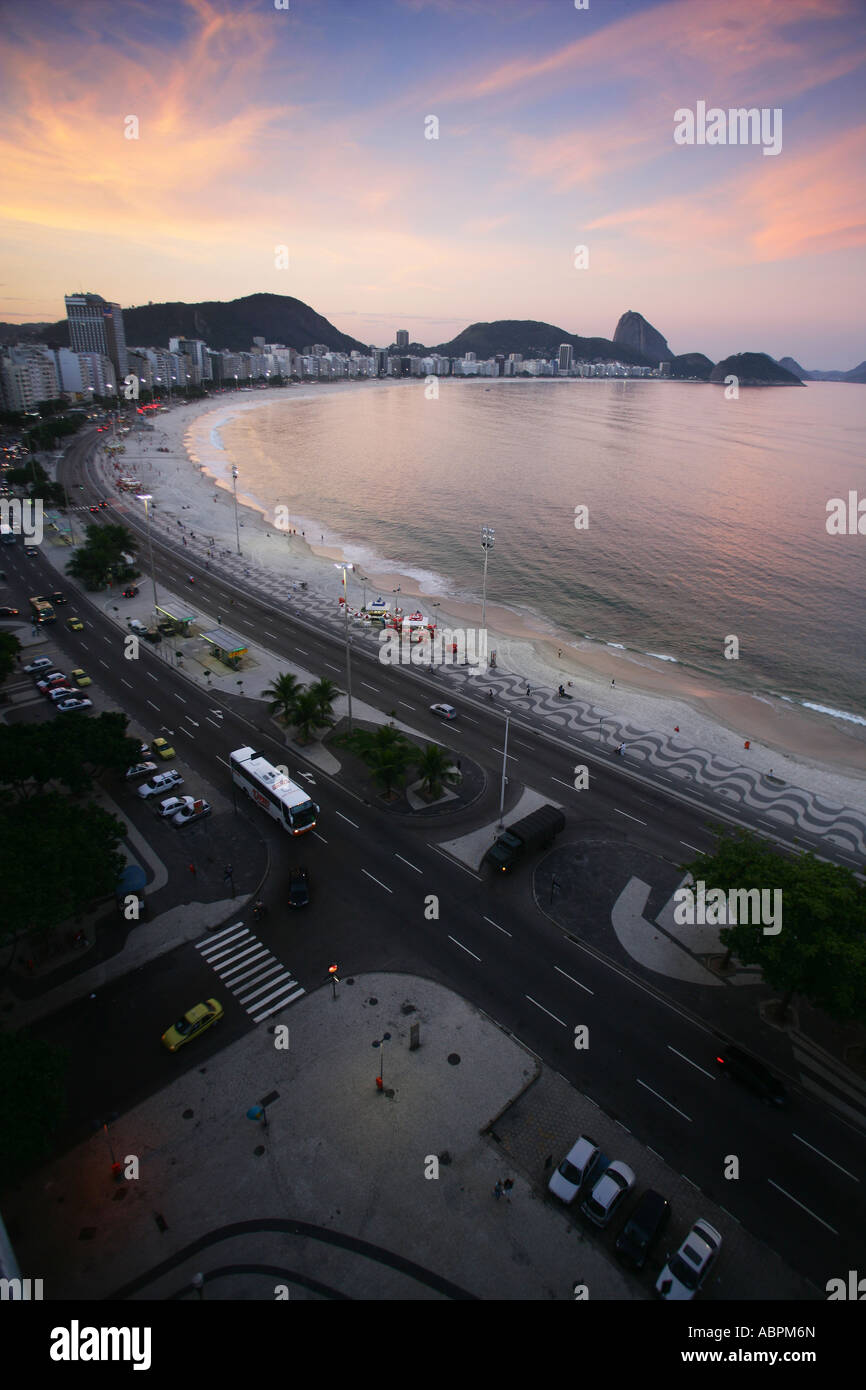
point(497, 1191)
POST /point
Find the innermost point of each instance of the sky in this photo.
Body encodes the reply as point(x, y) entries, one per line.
point(308, 128)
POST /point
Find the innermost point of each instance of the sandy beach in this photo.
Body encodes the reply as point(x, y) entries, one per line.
point(192, 482)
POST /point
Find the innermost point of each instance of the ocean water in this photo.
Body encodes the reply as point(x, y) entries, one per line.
point(707, 517)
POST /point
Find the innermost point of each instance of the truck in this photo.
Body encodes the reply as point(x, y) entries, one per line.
point(535, 831)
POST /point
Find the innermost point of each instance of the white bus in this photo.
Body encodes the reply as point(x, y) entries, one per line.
point(270, 788)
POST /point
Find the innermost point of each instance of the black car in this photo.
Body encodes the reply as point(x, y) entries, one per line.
point(8, 612)
point(752, 1074)
point(130, 591)
point(299, 888)
point(57, 597)
point(643, 1228)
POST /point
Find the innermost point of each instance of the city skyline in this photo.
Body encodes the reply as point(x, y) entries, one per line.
point(554, 129)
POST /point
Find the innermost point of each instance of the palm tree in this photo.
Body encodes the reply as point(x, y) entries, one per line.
point(282, 697)
point(388, 766)
point(307, 714)
point(326, 693)
point(435, 767)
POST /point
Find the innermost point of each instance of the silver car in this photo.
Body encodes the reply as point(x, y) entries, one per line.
point(686, 1271)
point(569, 1176)
point(609, 1193)
point(171, 805)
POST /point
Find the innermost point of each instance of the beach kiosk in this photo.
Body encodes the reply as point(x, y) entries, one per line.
point(225, 647)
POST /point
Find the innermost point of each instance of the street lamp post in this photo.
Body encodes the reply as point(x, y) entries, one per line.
point(345, 567)
point(146, 497)
point(395, 592)
point(235, 486)
point(487, 539)
point(504, 778)
point(380, 1042)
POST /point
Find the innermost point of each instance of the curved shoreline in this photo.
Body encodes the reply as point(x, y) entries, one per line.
point(785, 738)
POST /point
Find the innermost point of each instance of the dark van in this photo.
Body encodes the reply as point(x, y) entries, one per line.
point(643, 1228)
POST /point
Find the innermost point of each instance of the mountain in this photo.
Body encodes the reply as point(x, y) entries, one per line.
point(635, 333)
point(52, 334)
point(691, 364)
point(791, 365)
point(532, 339)
point(754, 369)
point(233, 324)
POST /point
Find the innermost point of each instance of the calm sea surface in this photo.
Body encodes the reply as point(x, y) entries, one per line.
point(706, 516)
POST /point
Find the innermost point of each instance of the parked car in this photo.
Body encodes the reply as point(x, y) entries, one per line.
point(444, 711)
point(192, 1024)
point(30, 550)
point(80, 677)
point(51, 683)
point(40, 663)
point(609, 1193)
point(74, 623)
point(299, 888)
point(170, 806)
point(572, 1171)
point(752, 1074)
point(130, 591)
point(6, 612)
point(60, 692)
point(643, 1228)
point(191, 809)
point(140, 770)
point(162, 782)
point(162, 748)
point(686, 1271)
point(74, 702)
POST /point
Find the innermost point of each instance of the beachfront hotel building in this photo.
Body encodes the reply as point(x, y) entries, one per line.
point(95, 325)
point(566, 357)
point(402, 338)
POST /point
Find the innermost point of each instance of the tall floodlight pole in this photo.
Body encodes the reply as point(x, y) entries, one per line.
point(504, 778)
point(487, 538)
point(146, 497)
point(345, 567)
point(235, 486)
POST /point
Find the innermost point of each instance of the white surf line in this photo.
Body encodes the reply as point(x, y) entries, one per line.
point(821, 1154)
point(663, 1100)
point(464, 948)
point(379, 881)
point(497, 926)
point(684, 1058)
point(807, 1210)
point(346, 818)
point(544, 1010)
point(573, 980)
point(406, 861)
point(628, 817)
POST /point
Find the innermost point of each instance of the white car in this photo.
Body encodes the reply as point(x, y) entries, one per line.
point(686, 1271)
point(162, 782)
point(61, 692)
point(74, 702)
point(609, 1193)
point(444, 711)
point(569, 1176)
point(140, 770)
point(192, 809)
point(41, 663)
point(171, 806)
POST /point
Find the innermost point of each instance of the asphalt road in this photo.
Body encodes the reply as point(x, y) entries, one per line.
point(650, 1062)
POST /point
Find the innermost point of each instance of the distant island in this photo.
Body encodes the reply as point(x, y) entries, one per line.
point(232, 325)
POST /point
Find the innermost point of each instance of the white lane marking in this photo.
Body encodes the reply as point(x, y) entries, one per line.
point(407, 705)
point(452, 860)
point(684, 1058)
point(320, 837)
point(524, 745)
point(301, 650)
point(468, 719)
point(802, 1207)
point(663, 1100)
point(271, 634)
point(379, 881)
point(215, 722)
point(544, 1010)
point(103, 663)
point(464, 948)
point(821, 1154)
point(573, 980)
point(152, 676)
point(346, 818)
point(694, 847)
point(126, 683)
point(370, 687)
point(260, 1018)
point(497, 926)
point(153, 706)
point(331, 666)
point(570, 785)
point(511, 757)
point(178, 697)
point(406, 861)
point(628, 817)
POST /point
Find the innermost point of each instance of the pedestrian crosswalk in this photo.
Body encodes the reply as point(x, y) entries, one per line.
point(824, 1076)
point(253, 974)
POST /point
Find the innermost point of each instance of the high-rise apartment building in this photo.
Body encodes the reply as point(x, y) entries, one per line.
point(402, 338)
point(97, 326)
point(566, 357)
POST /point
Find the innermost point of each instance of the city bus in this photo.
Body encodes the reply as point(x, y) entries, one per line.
point(270, 788)
point(41, 611)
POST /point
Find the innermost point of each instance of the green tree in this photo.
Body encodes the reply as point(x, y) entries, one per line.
point(9, 649)
point(282, 696)
point(101, 559)
point(71, 750)
point(325, 692)
point(435, 768)
point(31, 1102)
point(820, 951)
point(308, 716)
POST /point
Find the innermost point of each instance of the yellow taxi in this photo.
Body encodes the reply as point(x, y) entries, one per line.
point(162, 748)
point(192, 1024)
point(81, 677)
point(75, 624)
